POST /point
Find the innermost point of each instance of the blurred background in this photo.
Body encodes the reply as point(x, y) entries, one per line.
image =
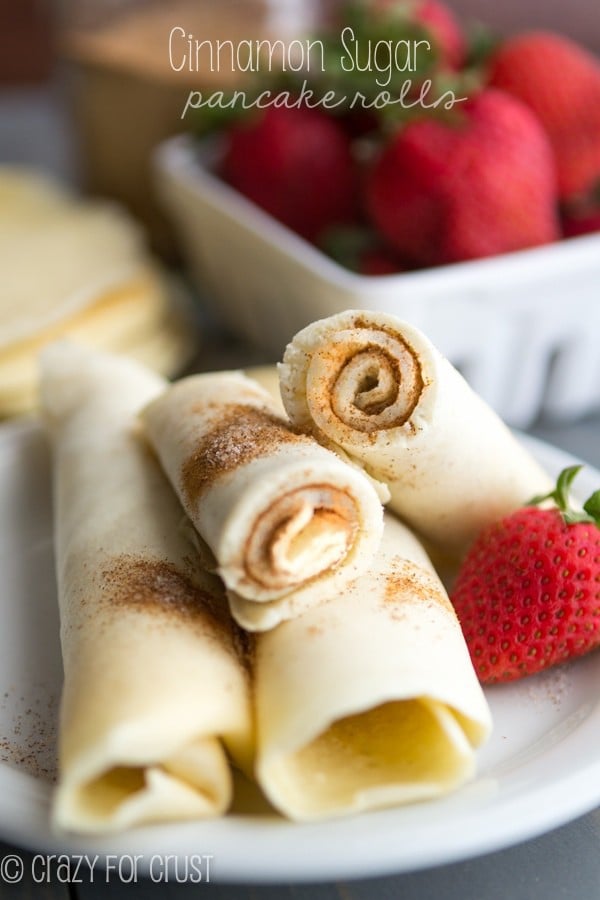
point(86, 89)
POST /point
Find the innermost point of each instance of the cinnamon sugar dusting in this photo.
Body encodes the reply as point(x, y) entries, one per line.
point(332, 510)
point(405, 373)
point(383, 360)
point(406, 580)
point(245, 646)
point(244, 433)
point(157, 586)
point(29, 741)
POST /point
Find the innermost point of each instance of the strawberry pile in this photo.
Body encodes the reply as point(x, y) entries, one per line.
point(516, 165)
point(528, 592)
point(484, 185)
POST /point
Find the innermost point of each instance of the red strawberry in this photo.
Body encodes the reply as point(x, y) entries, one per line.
point(439, 20)
point(376, 261)
point(443, 24)
point(528, 592)
point(575, 224)
point(443, 192)
point(560, 82)
point(296, 164)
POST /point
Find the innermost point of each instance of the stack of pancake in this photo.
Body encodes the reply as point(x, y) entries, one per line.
point(70, 267)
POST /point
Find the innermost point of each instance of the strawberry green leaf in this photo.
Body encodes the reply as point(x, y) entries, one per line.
point(563, 487)
point(561, 497)
point(560, 493)
point(482, 42)
point(592, 507)
point(346, 243)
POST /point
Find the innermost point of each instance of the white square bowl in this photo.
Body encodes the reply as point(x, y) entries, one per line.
point(524, 328)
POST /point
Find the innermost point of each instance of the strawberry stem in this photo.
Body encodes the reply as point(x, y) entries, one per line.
point(561, 497)
point(592, 507)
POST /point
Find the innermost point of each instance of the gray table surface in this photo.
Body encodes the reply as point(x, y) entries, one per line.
point(563, 864)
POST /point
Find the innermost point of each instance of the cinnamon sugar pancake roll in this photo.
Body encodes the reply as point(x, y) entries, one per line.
point(288, 522)
point(155, 687)
point(377, 389)
point(370, 699)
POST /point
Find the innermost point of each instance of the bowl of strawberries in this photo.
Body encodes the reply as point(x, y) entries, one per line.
point(399, 163)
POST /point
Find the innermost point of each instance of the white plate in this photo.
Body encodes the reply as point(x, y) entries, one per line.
point(540, 769)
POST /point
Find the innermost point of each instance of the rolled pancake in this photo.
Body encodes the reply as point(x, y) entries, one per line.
point(377, 389)
point(371, 699)
point(154, 680)
point(288, 523)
